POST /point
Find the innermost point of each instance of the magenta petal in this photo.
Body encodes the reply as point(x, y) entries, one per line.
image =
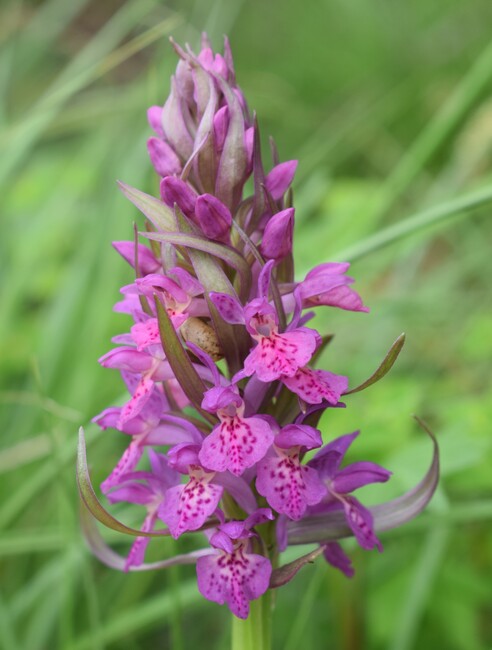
point(236, 444)
point(298, 435)
point(163, 158)
point(146, 260)
point(145, 334)
point(264, 280)
point(259, 516)
point(187, 507)
point(335, 555)
point(278, 180)
point(360, 521)
point(314, 386)
point(326, 284)
point(228, 307)
point(249, 138)
point(221, 124)
point(174, 190)
point(126, 358)
point(342, 297)
point(234, 579)
point(277, 238)
point(281, 354)
point(213, 217)
point(288, 486)
point(357, 475)
point(167, 475)
point(239, 490)
point(186, 281)
point(132, 492)
point(107, 418)
point(137, 552)
point(127, 463)
point(220, 397)
point(222, 541)
point(154, 118)
point(137, 402)
point(158, 282)
point(328, 460)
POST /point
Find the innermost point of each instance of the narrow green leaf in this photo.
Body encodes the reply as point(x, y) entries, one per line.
point(91, 502)
point(156, 211)
point(385, 366)
point(178, 359)
point(284, 574)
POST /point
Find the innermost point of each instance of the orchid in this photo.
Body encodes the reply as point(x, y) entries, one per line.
point(225, 396)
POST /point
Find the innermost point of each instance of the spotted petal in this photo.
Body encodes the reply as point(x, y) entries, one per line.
point(236, 444)
point(288, 486)
point(136, 555)
point(314, 386)
point(335, 555)
point(187, 507)
point(140, 397)
point(280, 355)
point(361, 522)
point(235, 579)
point(127, 463)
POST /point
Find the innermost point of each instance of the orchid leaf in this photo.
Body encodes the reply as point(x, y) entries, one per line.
point(114, 560)
point(284, 574)
point(230, 256)
point(92, 503)
point(384, 368)
point(178, 359)
point(394, 513)
point(156, 211)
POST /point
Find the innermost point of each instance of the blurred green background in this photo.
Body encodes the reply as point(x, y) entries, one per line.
point(387, 104)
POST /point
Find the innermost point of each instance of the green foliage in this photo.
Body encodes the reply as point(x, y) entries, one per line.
point(386, 106)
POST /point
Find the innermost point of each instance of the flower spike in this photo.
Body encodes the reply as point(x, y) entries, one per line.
point(225, 394)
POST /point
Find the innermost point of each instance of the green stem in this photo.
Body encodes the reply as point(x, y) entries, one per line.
point(254, 633)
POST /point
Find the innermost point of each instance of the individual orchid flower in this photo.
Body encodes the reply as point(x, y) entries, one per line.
point(178, 291)
point(237, 442)
point(276, 354)
point(233, 574)
point(341, 482)
point(288, 485)
point(187, 506)
point(327, 285)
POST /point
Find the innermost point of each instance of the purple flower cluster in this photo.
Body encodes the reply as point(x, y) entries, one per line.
point(220, 363)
